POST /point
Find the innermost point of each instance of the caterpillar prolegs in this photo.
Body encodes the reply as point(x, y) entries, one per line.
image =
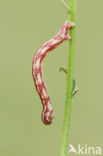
point(62, 35)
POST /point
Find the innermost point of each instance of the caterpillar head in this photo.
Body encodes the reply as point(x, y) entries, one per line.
point(47, 115)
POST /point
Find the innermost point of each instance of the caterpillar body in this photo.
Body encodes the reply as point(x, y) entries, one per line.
point(62, 35)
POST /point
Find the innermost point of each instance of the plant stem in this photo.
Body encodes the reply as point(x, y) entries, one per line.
point(69, 82)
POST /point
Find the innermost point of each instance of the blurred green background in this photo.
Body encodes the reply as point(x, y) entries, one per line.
point(24, 27)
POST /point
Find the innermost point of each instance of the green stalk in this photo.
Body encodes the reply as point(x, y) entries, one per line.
point(69, 82)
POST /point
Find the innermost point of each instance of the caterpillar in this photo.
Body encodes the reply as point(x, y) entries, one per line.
point(62, 35)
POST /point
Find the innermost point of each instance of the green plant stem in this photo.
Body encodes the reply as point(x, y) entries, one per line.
point(69, 82)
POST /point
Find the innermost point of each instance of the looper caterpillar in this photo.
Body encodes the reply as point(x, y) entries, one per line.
point(62, 35)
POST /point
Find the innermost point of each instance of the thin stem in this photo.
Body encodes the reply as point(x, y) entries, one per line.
point(65, 5)
point(69, 82)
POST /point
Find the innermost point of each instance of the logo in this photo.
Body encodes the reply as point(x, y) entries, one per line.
point(89, 150)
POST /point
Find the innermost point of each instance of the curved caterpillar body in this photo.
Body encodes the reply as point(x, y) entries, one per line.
point(62, 35)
